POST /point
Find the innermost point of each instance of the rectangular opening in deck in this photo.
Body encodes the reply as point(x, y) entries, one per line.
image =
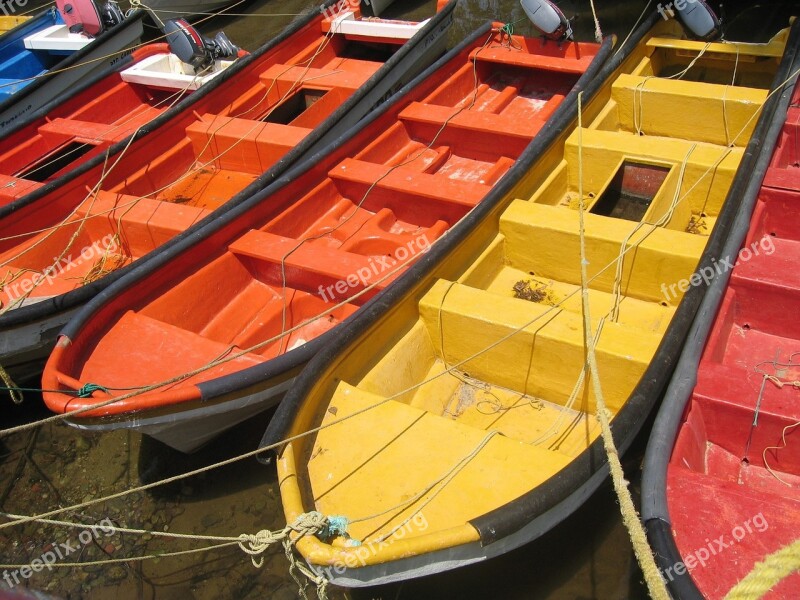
point(372, 51)
point(631, 191)
point(294, 106)
point(44, 168)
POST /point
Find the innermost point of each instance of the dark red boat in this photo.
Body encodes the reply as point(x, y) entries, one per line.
point(106, 110)
point(721, 489)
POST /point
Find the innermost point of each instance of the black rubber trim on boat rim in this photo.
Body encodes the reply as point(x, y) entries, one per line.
point(339, 338)
point(46, 308)
point(655, 511)
point(73, 59)
point(627, 422)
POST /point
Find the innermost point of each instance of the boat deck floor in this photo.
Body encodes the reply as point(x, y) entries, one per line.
point(480, 395)
point(734, 474)
point(315, 259)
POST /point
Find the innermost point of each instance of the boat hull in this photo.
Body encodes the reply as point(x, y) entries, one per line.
point(419, 213)
point(102, 54)
point(426, 382)
point(464, 555)
point(24, 355)
point(715, 493)
point(190, 428)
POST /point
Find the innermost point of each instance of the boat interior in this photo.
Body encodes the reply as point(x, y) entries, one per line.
point(18, 64)
point(486, 358)
point(145, 197)
point(735, 449)
point(77, 130)
point(310, 262)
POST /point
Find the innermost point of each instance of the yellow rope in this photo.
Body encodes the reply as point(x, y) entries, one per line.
point(300, 435)
point(253, 545)
point(630, 517)
point(16, 396)
point(598, 33)
point(767, 574)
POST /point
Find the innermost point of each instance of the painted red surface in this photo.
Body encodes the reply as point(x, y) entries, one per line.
point(302, 256)
point(733, 486)
point(105, 113)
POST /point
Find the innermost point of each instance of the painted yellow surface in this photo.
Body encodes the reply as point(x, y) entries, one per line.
point(467, 393)
point(8, 23)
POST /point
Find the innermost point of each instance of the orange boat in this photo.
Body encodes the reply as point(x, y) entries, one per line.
point(228, 317)
point(63, 241)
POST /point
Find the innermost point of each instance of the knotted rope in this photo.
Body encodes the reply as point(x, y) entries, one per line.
point(307, 524)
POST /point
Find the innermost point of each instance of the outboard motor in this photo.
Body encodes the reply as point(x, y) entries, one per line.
point(84, 16)
point(548, 19)
point(187, 44)
point(698, 18)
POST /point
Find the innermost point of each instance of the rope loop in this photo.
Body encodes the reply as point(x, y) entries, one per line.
point(11, 387)
point(309, 523)
point(90, 388)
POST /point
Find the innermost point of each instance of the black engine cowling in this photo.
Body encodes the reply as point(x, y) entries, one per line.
point(191, 47)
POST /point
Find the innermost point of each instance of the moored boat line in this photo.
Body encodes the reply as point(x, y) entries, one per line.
point(306, 253)
point(223, 143)
point(467, 380)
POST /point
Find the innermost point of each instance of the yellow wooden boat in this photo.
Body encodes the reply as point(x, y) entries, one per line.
point(453, 423)
point(7, 23)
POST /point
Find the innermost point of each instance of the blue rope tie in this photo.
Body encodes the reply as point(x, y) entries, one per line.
point(87, 390)
point(336, 526)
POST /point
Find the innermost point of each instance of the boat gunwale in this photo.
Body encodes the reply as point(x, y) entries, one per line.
point(668, 421)
point(74, 59)
point(63, 302)
point(30, 22)
point(275, 367)
point(513, 516)
point(41, 113)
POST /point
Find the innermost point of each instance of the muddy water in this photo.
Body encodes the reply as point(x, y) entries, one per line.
point(589, 556)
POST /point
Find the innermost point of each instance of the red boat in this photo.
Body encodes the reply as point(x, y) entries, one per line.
point(67, 133)
point(721, 488)
point(68, 239)
point(307, 252)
